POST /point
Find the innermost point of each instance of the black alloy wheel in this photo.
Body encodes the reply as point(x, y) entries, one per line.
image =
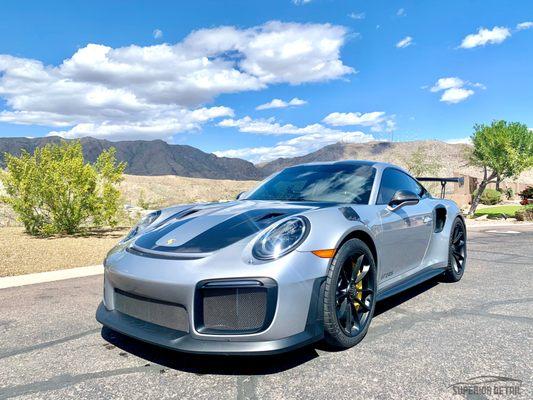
point(457, 252)
point(349, 295)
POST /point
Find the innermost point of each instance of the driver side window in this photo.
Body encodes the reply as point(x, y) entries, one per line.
point(393, 180)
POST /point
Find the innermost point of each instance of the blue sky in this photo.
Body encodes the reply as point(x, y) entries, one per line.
point(129, 70)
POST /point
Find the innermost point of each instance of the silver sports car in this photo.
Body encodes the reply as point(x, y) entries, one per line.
point(302, 257)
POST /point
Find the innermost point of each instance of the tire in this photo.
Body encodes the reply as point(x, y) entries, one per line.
point(456, 252)
point(343, 294)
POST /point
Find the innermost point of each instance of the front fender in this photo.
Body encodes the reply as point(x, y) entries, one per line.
point(329, 227)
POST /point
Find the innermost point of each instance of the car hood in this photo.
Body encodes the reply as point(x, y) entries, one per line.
point(200, 229)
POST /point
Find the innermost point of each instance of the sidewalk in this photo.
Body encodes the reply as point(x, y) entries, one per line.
point(488, 223)
point(50, 276)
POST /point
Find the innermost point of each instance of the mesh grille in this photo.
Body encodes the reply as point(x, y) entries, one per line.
point(156, 312)
point(234, 309)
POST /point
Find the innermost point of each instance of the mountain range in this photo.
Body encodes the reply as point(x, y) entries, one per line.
point(157, 157)
point(154, 157)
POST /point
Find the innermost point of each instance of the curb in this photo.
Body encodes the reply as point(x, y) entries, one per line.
point(495, 225)
point(50, 276)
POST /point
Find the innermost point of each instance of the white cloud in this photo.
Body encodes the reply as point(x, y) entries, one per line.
point(157, 33)
point(447, 83)
point(161, 126)
point(477, 85)
point(308, 139)
point(355, 15)
point(485, 36)
point(378, 121)
point(278, 103)
point(301, 2)
point(401, 12)
point(271, 127)
point(454, 90)
point(157, 91)
point(524, 25)
point(405, 42)
point(456, 95)
point(465, 140)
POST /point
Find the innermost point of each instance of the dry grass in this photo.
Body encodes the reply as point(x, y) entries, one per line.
point(23, 254)
point(161, 191)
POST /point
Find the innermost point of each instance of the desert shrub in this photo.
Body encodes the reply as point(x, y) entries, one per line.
point(525, 213)
point(142, 201)
point(527, 193)
point(489, 197)
point(420, 163)
point(509, 193)
point(54, 190)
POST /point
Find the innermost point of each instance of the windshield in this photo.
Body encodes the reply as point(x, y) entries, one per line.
point(339, 183)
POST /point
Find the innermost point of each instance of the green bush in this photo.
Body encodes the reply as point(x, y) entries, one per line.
point(509, 193)
point(489, 197)
point(54, 190)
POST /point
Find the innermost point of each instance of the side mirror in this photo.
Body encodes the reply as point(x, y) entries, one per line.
point(403, 198)
point(239, 195)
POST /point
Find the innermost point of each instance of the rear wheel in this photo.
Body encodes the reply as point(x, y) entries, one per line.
point(349, 295)
point(456, 252)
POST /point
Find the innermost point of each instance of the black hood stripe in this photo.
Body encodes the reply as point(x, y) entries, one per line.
point(222, 235)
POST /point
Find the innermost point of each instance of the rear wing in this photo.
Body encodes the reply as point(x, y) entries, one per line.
point(443, 182)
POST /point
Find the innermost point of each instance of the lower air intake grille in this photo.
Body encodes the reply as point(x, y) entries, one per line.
point(235, 310)
point(157, 312)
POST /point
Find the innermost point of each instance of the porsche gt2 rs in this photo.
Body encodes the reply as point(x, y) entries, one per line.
point(302, 257)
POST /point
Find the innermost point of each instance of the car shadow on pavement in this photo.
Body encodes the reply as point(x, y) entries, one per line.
point(240, 365)
point(209, 364)
point(400, 298)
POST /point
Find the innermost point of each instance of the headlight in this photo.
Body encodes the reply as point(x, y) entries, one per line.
point(281, 239)
point(144, 223)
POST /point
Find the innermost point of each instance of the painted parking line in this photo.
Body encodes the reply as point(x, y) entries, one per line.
point(50, 276)
point(505, 232)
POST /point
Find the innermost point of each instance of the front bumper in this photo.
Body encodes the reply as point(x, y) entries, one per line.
point(182, 341)
point(296, 318)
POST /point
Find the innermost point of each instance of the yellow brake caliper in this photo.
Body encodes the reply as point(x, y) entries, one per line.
point(359, 294)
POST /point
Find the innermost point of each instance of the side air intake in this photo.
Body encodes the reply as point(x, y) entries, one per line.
point(235, 306)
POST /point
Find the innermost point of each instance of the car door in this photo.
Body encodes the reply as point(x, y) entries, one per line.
point(406, 231)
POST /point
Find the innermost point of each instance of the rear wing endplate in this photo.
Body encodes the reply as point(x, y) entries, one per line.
point(443, 182)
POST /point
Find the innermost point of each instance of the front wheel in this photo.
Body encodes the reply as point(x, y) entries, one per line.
point(456, 252)
point(349, 295)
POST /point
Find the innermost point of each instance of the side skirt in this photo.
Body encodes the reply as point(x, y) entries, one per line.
point(413, 280)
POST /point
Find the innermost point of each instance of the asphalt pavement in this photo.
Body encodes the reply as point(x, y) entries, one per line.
point(429, 342)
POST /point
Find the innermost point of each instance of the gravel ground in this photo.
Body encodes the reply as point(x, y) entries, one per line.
point(420, 343)
point(23, 254)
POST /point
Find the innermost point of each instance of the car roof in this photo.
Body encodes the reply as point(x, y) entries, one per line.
point(376, 164)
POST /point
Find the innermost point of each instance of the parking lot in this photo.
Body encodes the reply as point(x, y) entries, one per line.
point(419, 345)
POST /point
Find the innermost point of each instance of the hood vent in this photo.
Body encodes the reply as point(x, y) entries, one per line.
point(186, 213)
point(176, 217)
point(268, 216)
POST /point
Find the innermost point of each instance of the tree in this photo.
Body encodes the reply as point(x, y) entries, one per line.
point(503, 149)
point(54, 190)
